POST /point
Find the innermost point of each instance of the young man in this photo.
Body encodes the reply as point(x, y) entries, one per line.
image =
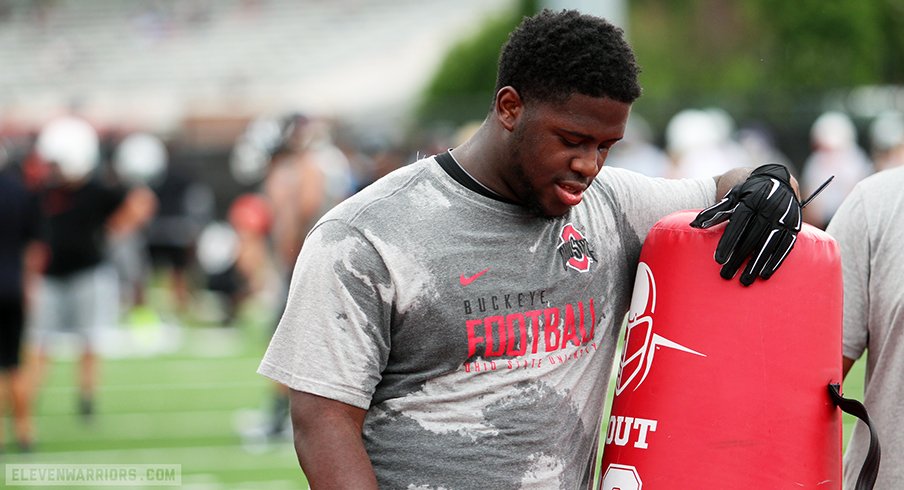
point(19, 220)
point(307, 177)
point(79, 291)
point(455, 322)
point(867, 226)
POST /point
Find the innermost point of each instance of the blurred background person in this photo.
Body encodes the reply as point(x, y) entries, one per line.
point(370, 154)
point(887, 140)
point(305, 175)
point(186, 204)
point(835, 152)
point(699, 143)
point(19, 222)
point(79, 288)
point(217, 253)
point(758, 143)
point(253, 275)
point(139, 160)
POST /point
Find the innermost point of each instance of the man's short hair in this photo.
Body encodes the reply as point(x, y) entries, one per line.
point(553, 55)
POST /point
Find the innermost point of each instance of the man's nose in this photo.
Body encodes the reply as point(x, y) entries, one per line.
point(588, 164)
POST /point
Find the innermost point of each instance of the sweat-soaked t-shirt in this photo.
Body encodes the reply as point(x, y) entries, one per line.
point(479, 337)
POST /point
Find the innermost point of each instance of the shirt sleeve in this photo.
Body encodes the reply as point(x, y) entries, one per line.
point(645, 200)
point(850, 228)
point(333, 338)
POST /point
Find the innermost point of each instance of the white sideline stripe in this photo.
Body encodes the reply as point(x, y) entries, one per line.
point(107, 418)
point(212, 482)
point(158, 362)
point(162, 386)
point(192, 458)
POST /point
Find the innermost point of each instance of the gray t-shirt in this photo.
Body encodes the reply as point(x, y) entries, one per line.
point(869, 227)
point(480, 338)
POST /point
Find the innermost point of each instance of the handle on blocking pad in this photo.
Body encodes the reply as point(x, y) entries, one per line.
point(870, 469)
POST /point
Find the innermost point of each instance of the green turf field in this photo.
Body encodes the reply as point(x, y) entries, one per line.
point(853, 388)
point(186, 407)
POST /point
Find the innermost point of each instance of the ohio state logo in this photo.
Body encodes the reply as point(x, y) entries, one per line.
point(641, 343)
point(574, 249)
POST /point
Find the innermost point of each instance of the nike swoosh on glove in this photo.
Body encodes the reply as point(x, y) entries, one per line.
point(764, 217)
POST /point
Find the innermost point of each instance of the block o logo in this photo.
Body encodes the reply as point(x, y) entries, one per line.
point(641, 343)
point(621, 477)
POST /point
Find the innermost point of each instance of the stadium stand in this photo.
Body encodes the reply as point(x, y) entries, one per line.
point(165, 57)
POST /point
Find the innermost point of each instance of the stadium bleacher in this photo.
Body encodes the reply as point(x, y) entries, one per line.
point(160, 59)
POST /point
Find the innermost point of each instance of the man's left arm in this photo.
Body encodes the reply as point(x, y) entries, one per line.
point(850, 228)
point(136, 209)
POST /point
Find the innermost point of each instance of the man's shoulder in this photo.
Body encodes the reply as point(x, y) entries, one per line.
point(615, 179)
point(878, 195)
point(384, 197)
point(892, 179)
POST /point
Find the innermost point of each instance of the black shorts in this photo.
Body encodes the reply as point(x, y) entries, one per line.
point(12, 323)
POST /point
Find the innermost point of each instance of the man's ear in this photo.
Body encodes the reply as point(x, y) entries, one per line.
point(509, 107)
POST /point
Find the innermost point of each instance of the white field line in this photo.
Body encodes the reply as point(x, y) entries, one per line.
point(162, 387)
point(194, 459)
point(148, 425)
point(205, 484)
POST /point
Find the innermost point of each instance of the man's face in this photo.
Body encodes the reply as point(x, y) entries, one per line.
point(558, 149)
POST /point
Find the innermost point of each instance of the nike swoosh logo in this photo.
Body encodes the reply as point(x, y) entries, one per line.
point(469, 279)
point(774, 187)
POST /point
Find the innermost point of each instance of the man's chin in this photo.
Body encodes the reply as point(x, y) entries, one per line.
point(545, 210)
point(549, 214)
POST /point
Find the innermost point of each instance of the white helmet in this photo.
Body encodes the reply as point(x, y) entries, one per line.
point(251, 154)
point(722, 122)
point(833, 130)
point(72, 144)
point(689, 130)
point(218, 248)
point(140, 159)
point(887, 130)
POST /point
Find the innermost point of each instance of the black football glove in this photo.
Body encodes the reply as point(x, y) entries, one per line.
point(764, 217)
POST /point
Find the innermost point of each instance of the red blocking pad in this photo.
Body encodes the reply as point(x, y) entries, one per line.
point(725, 386)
